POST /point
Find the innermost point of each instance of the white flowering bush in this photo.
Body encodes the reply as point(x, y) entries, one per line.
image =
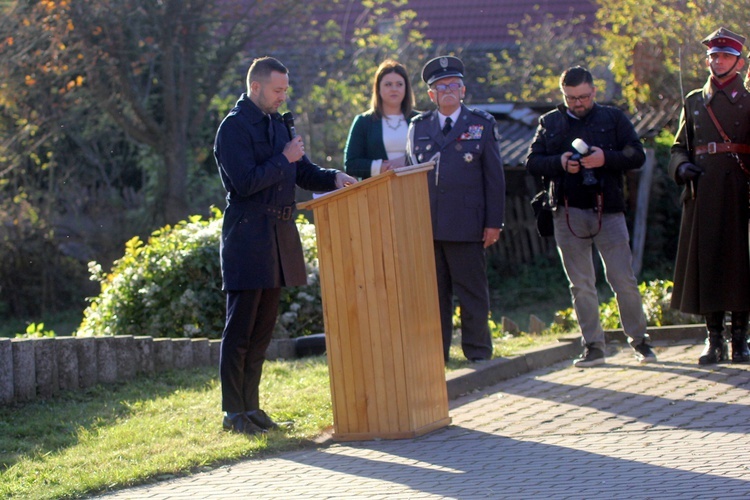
point(171, 286)
point(301, 308)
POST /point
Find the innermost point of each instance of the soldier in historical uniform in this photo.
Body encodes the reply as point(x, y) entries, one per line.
point(711, 158)
point(467, 200)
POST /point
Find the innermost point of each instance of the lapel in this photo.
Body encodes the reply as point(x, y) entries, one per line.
point(375, 138)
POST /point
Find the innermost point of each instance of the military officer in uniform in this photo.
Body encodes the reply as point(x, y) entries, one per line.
point(711, 158)
point(467, 200)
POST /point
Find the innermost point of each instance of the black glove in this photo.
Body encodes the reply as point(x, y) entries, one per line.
point(689, 172)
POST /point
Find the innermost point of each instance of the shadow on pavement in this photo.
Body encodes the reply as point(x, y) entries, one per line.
point(463, 463)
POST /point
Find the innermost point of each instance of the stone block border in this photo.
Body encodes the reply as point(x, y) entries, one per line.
point(39, 368)
point(42, 367)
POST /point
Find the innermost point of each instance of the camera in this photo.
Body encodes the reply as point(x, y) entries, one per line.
point(582, 149)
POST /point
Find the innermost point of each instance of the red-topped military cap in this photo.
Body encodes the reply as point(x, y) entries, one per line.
point(442, 67)
point(723, 40)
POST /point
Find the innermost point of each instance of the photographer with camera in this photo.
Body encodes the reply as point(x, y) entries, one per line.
point(581, 150)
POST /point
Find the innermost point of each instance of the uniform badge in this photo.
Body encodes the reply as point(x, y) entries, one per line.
point(459, 147)
point(428, 147)
point(473, 134)
point(420, 157)
point(468, 157)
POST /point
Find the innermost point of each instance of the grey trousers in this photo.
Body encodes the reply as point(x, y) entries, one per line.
point(613, 247)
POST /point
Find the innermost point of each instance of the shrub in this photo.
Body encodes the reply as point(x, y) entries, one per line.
point(171, 286)
point(657, 295)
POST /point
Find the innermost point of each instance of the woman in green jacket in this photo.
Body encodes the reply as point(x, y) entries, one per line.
point(377, 138)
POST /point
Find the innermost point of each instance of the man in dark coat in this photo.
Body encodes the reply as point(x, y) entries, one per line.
point(260, 164)
point(467, 200)
point(586, 193)
point(711, 159)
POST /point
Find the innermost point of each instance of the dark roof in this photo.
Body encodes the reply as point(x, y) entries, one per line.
point(475, 23)
point(485, 22)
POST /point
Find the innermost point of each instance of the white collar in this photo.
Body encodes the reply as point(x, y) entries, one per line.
point(454, 117)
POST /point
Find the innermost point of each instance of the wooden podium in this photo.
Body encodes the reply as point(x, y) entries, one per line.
point(380, 306)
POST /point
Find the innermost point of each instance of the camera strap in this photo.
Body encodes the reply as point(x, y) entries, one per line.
point(599, 209)
point(599, 212)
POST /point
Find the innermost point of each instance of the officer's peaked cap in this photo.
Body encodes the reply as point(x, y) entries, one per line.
point(723, 40)
point(442, 67)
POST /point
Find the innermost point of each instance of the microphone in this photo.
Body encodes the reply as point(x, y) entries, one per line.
point(289, 122)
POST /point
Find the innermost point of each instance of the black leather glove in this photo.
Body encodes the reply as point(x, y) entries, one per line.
point(689, 172)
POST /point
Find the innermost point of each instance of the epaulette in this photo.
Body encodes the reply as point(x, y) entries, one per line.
point(696, 91)
point(484, 114)
point(422, 116)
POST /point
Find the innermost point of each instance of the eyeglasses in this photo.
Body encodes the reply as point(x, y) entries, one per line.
point(580, 98)
point(440, 87)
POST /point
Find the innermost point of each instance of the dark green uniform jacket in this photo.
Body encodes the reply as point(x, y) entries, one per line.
point(712, 271)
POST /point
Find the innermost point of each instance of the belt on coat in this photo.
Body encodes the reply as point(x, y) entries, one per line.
point(281, 213)
point(722, 147)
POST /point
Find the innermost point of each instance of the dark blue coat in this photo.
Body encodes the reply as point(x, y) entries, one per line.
point(260, 245)
point(467, 188)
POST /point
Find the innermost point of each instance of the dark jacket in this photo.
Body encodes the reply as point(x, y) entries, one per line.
point(605, 127)
point(260, 245)
point(365, 144)
point(467, 187)
point(712, 272)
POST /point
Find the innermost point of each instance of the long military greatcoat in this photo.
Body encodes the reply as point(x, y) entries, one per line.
point(712, 269)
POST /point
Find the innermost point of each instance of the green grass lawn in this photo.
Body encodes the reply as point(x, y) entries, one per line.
point(115, 436)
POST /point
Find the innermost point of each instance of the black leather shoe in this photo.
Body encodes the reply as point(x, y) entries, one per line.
point(259, 418)
point(240, 423)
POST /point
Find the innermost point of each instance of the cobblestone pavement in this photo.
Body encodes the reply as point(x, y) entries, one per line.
point(667, 430)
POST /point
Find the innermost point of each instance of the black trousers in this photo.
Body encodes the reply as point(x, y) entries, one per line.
point(251, 317)
point(461, 269)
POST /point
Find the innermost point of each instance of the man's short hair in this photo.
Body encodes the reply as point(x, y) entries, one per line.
point(261, 69)
point(575, 76)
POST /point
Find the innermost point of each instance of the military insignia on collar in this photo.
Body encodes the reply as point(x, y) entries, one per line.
point(468, 157)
